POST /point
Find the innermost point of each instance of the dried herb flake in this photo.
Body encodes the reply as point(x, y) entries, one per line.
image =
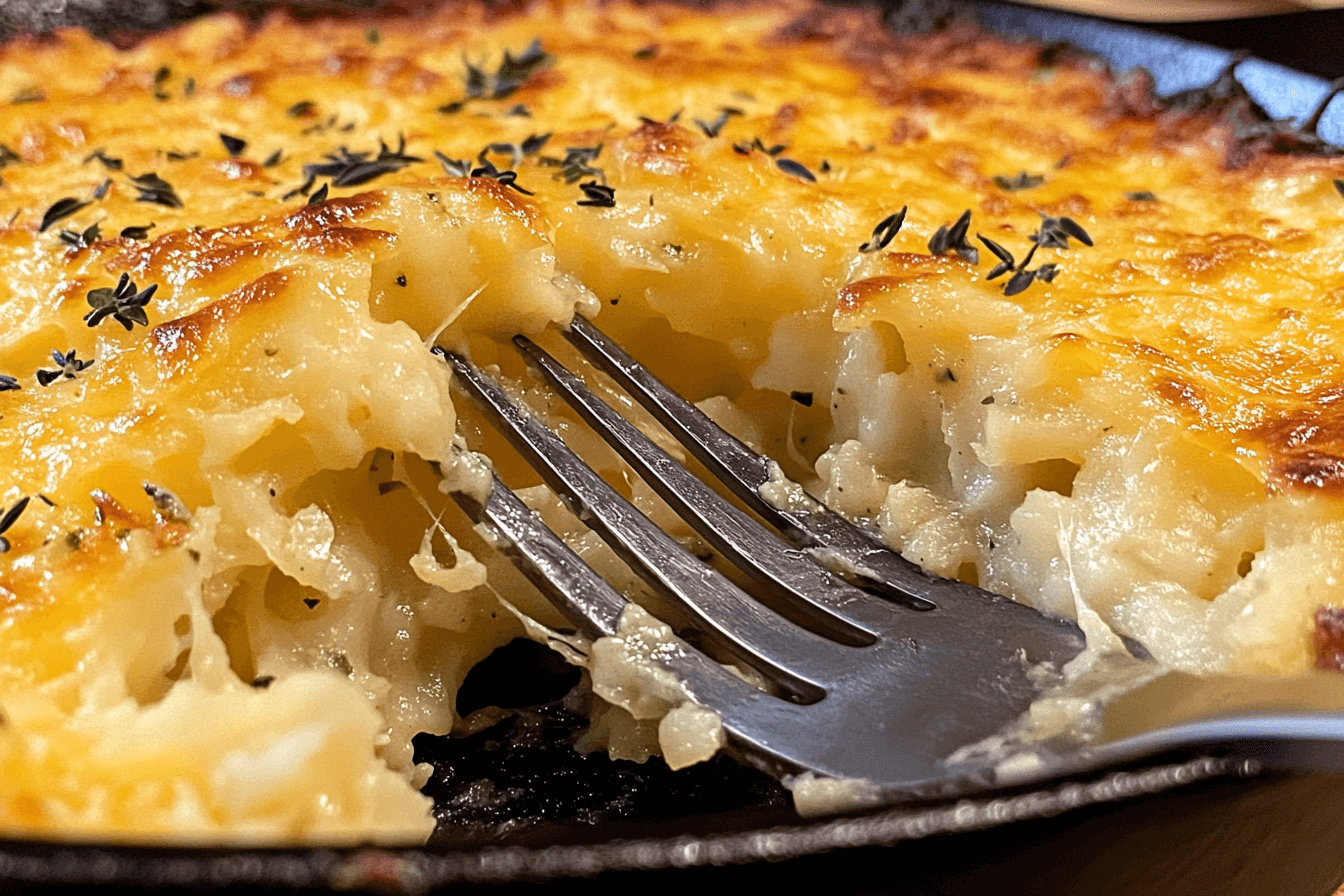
point(152, 188)
point(78, 240)
point(597, 195)
point(60, 210)
point(7, 521)
point(797, 169)
point(111, 163)
point(350, 169)
point(1020, 181)
point(885, 231)
point(953, 239)
point(124, 303)
point(67, 366)
point(233, 145)
point(136, 231)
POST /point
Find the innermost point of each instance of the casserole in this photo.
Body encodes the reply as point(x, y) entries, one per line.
point(1204, 770)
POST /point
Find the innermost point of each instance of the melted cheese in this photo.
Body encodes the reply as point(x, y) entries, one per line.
point(1152, 436)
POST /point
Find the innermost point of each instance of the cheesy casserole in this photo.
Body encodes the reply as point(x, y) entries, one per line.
point(232, 588)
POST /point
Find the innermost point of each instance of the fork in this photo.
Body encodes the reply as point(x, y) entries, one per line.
point(876, 669)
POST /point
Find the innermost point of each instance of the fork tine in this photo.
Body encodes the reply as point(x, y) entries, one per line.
point(792, 578)
point(751, 718)
point(791, 656)
point(828, 538)
point(832, 540)
point(572, 585)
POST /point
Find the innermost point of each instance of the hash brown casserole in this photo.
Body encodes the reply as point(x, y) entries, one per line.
point(1046, 333)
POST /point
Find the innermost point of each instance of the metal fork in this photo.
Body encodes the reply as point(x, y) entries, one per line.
point(877, 669)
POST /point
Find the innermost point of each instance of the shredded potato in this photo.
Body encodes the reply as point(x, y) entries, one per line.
point(237, 589)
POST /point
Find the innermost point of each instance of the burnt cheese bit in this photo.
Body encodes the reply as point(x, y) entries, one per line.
point(1328, 638)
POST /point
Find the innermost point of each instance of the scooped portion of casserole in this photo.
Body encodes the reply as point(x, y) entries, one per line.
point(1044, 333)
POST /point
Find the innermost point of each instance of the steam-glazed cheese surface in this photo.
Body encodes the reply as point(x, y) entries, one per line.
point(237, 590)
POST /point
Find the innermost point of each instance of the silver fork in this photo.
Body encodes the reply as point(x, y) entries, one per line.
point(879, 670)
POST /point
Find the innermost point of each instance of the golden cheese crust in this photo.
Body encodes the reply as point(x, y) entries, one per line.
point(1139, 417)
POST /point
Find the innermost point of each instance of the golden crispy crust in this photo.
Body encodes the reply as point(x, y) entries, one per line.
point(314, 200)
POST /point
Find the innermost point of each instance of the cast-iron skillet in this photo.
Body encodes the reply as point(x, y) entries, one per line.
point(1188, 826)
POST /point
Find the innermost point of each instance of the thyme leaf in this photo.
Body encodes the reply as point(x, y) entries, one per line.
point(60, 209)
point(153, 188)
point(577, 163)
point(953, 239)
point(9, 384)
point(597, 195)
point(712, 128)
point(1020, 181)
point(1056, 232)
point(78, 240)
point(885, 231)
point(124, 303)
point(67, 366)
point(454, 167)
point(9, 518)
point(797, 169)
point(350, 169)
point(136, 232)
point(512, 74)
point(109, 162)
point(233, 145)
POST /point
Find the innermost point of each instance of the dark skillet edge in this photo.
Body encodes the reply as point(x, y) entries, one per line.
point(987, 838)
point(33, 863)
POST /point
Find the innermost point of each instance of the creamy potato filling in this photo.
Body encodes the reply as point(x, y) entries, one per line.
point(1139, 433)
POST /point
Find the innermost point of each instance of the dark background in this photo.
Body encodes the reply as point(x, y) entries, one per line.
point(1310, 42)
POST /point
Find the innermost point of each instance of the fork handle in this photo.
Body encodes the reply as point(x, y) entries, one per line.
point(1289, 741)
